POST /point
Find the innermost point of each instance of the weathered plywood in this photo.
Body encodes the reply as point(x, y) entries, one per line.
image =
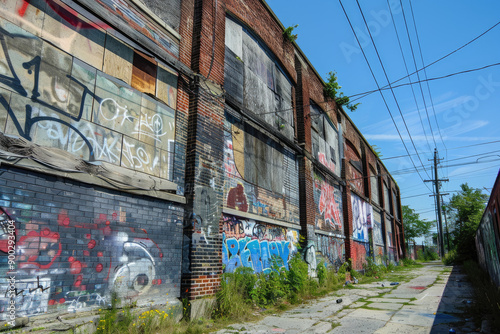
point(234, 39)
point(5, 98)
point(157, 123)
point(28, 15)
point(119, 107)
point(140, 156)
point(166, 86)
point(144, 73)
point(76, 35)
point(19, 47)
point(238, 137)
point(54, 77)
point(82, 83)
point(118, 58)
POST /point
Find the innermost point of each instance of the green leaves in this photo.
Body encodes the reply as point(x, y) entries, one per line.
point(332, 90)
point(414, 227)
point(464, 212)
point(288, 33)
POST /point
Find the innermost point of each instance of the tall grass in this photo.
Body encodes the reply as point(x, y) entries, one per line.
point(242, 296)
point(487, 294)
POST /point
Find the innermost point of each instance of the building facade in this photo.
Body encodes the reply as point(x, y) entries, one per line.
point(149, 146)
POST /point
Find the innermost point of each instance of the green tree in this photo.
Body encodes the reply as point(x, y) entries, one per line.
point(465, 210)
point(414, 227)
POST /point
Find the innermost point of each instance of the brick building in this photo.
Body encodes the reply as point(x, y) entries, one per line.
point(148, 146)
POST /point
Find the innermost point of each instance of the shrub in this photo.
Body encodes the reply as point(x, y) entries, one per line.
point(322, 272)
point(407, 262)
point(371, 268)
point(234, 293)
point(297, 273)
point(450, 258)
point(272, 286)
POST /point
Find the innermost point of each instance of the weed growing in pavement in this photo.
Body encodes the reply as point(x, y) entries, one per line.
point(487, 295)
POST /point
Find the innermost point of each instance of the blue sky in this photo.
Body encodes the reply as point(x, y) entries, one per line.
point(462, 110)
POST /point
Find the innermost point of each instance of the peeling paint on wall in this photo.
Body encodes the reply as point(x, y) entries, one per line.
point(331, 249)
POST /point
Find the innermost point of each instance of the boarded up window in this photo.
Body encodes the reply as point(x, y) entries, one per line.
point(374, 186)
point(144, 73)
point(387, 199)
point(254, 78)
point(325, 140)
point(262, 163)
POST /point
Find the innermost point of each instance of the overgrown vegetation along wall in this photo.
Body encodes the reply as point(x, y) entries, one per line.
point(76, 244)
point(488, 236)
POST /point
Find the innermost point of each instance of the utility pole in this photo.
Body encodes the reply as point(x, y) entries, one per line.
point(447, 232)
point(437, 181)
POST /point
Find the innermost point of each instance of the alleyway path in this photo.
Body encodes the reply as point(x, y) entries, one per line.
point(431, 299)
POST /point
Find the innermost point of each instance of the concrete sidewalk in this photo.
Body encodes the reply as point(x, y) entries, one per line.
point(432, 300)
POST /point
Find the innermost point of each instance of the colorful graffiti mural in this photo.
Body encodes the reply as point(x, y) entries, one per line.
point(331, 249)
point(251, 244)
point(106, 255)
point(328, 199)
point(362, 214)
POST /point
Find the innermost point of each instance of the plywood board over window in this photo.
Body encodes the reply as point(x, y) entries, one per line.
point(118, 58)
point(166, 86)
point(144, 73)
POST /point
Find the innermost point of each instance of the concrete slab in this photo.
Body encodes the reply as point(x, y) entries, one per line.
point(389, 300)
point(392, 328)
point(372, 314)
point(287, 323)
point(385, 306)
point(354, 325)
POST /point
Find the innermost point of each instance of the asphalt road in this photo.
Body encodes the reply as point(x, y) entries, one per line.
point(431, 299)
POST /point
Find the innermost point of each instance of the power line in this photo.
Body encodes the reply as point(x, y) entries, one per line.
point(453, 148)
point(392, 91)
point(427, 80)
point(376, 82)
point(425, 72)
point(418, 75)
point(408, 73)
point(438, 60)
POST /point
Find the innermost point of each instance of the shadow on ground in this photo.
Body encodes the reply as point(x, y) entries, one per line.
point(454, 310)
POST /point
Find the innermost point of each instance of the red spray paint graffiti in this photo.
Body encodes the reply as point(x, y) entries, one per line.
point(329, 207)
point(324, 161)
point(39, 249)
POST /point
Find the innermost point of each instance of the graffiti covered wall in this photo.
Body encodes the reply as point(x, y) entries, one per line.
point(362, 214)
point(331, 250)
point(487, 246)
point(378, 240)
point(261, 176)
point(247, 243)
point(328, 201)
point(76, 244)
point(68, 83)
